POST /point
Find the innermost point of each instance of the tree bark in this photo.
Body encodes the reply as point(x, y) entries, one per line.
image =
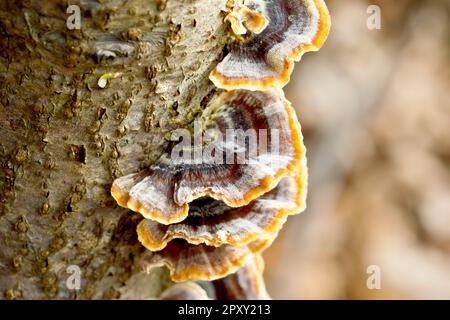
point(64, 139)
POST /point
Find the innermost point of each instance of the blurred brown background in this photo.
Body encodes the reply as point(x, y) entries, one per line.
point(375, 111)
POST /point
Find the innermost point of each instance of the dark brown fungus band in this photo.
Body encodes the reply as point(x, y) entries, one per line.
point(265, 58)
point(201, 262)
point(214, 223)
point(244, 143)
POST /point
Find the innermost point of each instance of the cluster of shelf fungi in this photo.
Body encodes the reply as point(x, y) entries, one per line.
point(208, 221)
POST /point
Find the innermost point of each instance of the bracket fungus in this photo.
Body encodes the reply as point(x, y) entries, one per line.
point(247, 283)
point(244, 144)
point(265, 58)
point(184, 291)
point(226, 185)
point(213, 223)
point(201, 262)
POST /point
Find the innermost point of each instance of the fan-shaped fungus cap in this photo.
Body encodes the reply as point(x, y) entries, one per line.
point(253, 140)
point(201, 262)
point(184, 291)
point(265, 60)
point(214, 223)
point(245, 284)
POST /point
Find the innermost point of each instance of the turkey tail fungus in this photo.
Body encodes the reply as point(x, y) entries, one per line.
point(243, 145)
point(265, 59)
point(227, 183)
point(245, 284)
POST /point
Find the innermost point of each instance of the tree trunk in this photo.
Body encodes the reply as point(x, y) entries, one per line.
point(64, 138)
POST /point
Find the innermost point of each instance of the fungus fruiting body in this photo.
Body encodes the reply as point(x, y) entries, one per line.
point(227, 183)
point(266, 59)
point(243, 19)
point(245, 284)
point(201, 262)
point(184, 291)
point(247, 142)
point(213, 223)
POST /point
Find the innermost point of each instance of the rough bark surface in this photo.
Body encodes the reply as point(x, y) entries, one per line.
point(63, 139)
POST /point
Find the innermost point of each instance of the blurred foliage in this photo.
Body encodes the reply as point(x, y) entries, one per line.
point(375, 111)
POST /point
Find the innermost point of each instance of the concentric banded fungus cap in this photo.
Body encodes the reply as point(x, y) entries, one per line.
point(214, 223)
point(184, 291)
point(251, 140)
point(265, 60)
point(201, 262)
point(245, 284)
